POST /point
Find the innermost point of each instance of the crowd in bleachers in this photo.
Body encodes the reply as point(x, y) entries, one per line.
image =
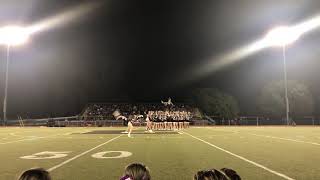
point(156, 111)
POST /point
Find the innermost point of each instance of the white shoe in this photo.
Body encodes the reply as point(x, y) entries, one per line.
point(125, 132)
point(130, 136)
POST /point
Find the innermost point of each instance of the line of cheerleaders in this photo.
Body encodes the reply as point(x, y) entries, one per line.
point(151, 126)
point(166, 125)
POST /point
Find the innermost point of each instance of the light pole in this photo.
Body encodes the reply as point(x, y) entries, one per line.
point(285, 83)
point(10, 36)
point(283, 36)
point(6, 87)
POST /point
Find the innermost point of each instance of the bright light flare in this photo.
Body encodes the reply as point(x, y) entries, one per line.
point(308, 25)
point(64, 17)
point(13, 35)
point(230, 58)
point(282, 36)
point(285, 35)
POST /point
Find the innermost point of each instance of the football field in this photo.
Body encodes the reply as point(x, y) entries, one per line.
point(102, 153)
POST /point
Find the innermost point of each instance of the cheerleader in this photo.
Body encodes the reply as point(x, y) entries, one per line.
point(149, 124)
point(126, 121)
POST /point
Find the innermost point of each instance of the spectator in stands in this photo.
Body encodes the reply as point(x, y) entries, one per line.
point(35, 174)
point(136, 171)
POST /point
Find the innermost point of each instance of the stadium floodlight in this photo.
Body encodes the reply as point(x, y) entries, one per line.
point(16, 35)
point(282, 36)
point(11, 36)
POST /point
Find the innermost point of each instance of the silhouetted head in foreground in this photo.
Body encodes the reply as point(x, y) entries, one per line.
point(232, 174)
point(136, 171)
point(35, 174)
point(213, 174)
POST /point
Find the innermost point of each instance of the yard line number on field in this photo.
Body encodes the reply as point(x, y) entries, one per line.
point(243, 158)
point(84, 153)
point(62, 154)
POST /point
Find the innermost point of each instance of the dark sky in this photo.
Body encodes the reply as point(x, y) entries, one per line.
point(134, 50)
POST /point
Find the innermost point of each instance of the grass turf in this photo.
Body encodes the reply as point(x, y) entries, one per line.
point(289, 151)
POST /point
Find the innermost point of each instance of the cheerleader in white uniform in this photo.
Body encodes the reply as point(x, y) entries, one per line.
point(126, 120)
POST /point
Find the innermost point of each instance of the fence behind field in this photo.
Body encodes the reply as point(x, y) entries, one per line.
point(39, 122)
point(261, 121)
point(78, 121)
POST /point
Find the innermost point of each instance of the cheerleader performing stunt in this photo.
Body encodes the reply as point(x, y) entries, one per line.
point(118, 116)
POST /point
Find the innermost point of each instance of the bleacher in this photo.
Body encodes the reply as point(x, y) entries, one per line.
point(104, 111)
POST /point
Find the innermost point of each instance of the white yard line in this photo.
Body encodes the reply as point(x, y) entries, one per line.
point(223, 130)
point(15, 135)
point(243, 158)
point(286, 139)
point(230, 132)
point(79, 155)
point(29, 139)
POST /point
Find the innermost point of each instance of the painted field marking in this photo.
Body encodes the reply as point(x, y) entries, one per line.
point(35, 137)
point(81, 154)
point(243, 158)
point(29, 139)
point(286, 139)
point(47, 155)
point(13, 134)
point(21, 137)
point(223, 130)
point(100, 155)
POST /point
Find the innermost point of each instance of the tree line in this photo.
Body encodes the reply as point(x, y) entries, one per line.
point(269, 103)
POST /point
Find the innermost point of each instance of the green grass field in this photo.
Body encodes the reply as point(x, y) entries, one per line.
point(254, 152)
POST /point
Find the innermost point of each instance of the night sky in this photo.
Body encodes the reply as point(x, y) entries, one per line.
point(134, 50)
